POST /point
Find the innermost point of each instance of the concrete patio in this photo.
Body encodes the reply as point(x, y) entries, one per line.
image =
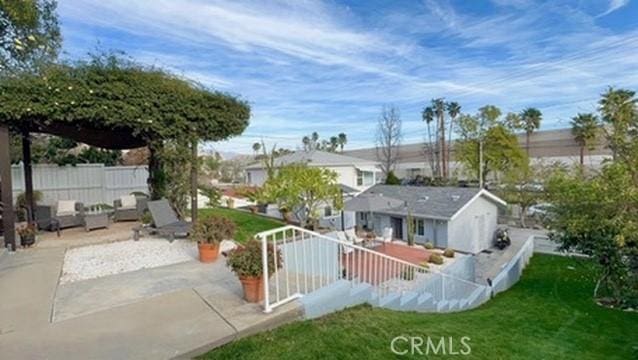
point(171, 311)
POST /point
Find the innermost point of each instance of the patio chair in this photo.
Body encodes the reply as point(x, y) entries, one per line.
point(68, 213)
point(351, 235)
point(166, 222)
point(129, 208)
point(387, 235)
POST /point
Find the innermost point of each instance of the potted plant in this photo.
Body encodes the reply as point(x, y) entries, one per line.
point(209, 233)
point(27, 234)
point(246, 262)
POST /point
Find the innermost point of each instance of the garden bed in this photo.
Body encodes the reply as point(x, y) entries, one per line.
point(89, 262)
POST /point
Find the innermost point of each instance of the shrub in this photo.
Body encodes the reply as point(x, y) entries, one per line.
point(392, 179)
point(448, 253)
point(246, 261)
point(146, 218)
point(213, 229)
point(436, 259)
point(428, 245)
point(424, 264)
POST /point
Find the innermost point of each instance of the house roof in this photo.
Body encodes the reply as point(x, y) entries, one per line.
point(316, 158)
point(430, 202)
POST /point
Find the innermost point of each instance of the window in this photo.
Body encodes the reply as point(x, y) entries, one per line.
point(365, 178)
point(327, 211)
point(420, 227)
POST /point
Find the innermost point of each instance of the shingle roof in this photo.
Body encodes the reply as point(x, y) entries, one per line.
point(316, 158)
point(429, 202)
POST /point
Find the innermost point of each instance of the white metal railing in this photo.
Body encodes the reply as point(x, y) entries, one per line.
point(310, 261)
point(511, 272)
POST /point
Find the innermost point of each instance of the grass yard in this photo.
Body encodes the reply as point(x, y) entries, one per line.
point(549, 314)
point(247, 224)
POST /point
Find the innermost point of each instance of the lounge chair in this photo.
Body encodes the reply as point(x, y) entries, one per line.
point(387, 235)
point(166, 222)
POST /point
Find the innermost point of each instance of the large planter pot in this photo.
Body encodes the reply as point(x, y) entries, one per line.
point(27, 240)
point(208, 252)
point(253, 288)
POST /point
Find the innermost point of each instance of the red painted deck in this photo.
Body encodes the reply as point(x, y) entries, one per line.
point(375, 269)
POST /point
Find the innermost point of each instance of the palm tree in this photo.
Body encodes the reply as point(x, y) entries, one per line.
point(618, 109)
point(334, 143)
point(584, 129)
point(454, 110)
point(343, 140)
point(428, 116)
point(439, 110)
point(306, 143)
point(531, 121)
point(256, 147)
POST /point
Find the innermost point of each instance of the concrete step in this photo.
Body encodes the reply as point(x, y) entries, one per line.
point(391, 301)
point(425, 303)
point(442, 306)
point(476, 296)
point(453, 305)
point(409, 300)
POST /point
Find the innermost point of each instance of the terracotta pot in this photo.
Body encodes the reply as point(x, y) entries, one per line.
point(208, 252)
point(253, 288)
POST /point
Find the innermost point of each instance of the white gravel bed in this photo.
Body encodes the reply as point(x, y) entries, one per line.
point(90, 262)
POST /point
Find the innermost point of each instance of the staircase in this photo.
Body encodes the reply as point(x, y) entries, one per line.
point(328, 275)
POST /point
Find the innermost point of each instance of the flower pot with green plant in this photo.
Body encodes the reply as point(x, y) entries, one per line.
point(246, 262)
point(27, 234)
point(209, 233)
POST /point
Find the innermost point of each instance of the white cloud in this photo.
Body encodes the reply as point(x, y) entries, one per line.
point(613, 6)
point(307, 65)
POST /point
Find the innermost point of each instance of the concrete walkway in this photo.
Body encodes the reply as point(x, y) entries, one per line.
point(173, 311)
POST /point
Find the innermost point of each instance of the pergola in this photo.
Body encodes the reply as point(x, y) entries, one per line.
point(114, 138)
point(114, 105)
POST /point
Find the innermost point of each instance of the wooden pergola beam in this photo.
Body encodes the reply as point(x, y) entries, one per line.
point(8, 214)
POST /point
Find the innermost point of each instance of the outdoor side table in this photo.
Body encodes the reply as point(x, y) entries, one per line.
point(96, 221)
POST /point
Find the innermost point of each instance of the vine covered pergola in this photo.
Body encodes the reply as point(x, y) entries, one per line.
point(111, 103)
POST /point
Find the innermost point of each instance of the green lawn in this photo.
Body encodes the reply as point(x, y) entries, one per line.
point(247, 224)
point(549, 314)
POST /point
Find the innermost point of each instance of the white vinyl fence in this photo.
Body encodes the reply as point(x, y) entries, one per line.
point(87, 183)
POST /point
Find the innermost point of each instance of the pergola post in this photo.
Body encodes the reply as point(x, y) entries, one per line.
point(8, 215)
point(194, 163)
point(28, 175)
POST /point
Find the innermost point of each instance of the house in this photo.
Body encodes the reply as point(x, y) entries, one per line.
point(353, 173)
point(463, 219)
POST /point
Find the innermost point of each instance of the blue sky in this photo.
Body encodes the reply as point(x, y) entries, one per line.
point(329, 66)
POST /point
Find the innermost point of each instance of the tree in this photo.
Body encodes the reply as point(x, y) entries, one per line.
point(256, 147)
point(334, 143)
point(598, 215)
point(29, 35)
point(438, 105)
point(430, 148)
point(500, 149)
point(107, 92)
point(618, 110)
point(343, 140)
point(388, 138)
point(453, 110)
point(531, 121)
point(584, 130)
point(301, 189)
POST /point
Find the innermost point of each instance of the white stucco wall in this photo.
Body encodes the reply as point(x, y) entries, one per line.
point(464, 231)
point(346, 175)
